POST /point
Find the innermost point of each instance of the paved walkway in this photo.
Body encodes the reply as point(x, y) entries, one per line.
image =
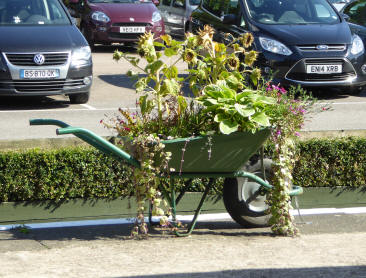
point(329, 246)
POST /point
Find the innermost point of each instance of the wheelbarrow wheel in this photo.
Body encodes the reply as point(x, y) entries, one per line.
point(242, 199)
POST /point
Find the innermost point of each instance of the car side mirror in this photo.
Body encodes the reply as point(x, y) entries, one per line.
point(346, 17)
point(229, 19)
point(156, 2)
point(178, 4)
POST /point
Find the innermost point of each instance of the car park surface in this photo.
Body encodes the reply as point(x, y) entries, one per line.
point(42, 52)
point(113, 89)
point(117, 21)
point(300, 42)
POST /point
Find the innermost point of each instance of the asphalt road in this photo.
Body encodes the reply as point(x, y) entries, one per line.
point(112, 89)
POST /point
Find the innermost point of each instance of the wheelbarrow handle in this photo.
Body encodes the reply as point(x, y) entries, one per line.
point(98, 142)
point(89, 137)
point(48, 122)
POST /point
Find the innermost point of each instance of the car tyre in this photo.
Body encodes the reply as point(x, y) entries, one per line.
point(79, 98)
point(354, 90)
point(238, 191)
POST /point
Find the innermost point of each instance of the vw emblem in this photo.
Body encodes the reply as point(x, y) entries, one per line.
point(132, 19)
point(39, 59)
point(322, 47)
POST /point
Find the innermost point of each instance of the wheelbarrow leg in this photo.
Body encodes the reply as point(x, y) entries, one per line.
point(192, 224)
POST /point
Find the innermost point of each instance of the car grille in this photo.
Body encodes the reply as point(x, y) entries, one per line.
point(298, 72)
point(137, 24)
point(26, 59)
point(41, 85)
point(333, 47)
point(128, 36)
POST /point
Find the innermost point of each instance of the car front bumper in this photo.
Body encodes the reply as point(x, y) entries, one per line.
point(111, 33)
point(291, 70)
point(70, 80)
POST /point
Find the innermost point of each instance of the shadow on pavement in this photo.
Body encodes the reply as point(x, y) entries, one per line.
point(31, 103)
point(313, 272)
point(123, 231)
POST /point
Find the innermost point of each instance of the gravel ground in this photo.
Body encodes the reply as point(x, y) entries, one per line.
point(216, 249)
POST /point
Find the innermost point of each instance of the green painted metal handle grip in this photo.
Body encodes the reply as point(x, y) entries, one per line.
point(47, 122)
point(98, 142)
point(89, 137)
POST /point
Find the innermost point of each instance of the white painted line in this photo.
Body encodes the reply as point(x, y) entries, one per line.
point(68, 110)
point(202, 217)
point(342, 103)
point(88, 106)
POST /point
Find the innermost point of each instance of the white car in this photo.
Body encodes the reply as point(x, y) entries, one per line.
point(339, 4)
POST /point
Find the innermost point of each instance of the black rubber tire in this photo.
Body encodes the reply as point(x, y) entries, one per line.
point(237, 190)
point(354, 91)
point(80, 98)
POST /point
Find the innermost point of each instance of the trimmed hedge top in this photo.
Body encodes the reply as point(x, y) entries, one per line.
point(86, 173)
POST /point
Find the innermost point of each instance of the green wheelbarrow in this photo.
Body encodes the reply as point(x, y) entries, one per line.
point(218, 156)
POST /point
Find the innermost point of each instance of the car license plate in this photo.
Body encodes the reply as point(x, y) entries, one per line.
point(39, 74)
point(132, 29)
point(324, 69)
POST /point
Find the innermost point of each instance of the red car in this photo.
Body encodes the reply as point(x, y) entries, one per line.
point(116, 21)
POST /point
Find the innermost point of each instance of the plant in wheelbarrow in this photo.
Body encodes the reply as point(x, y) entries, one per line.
point(213, 131)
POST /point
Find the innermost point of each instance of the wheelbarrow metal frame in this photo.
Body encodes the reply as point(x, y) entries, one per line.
point(109, 149)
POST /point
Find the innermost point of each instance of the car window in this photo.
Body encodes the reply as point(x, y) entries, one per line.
point(221, 7)
point(32, 12)
point(292, 11)
point(194, 2)
point(356, 12)
point(166, 2)
point(179, 4)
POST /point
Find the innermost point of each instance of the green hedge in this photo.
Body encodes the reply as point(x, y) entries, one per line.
point(331, 162)
point(86, 173)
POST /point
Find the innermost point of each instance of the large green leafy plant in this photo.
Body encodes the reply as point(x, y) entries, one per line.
point(229, 95)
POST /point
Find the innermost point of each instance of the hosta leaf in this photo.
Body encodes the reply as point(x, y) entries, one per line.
point(220, 117)
point(243, 110)
point(261, 118)
point(228, 126)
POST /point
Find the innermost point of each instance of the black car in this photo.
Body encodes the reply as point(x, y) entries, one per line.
point(355, 12)
point(304, 42)
point(42, 52)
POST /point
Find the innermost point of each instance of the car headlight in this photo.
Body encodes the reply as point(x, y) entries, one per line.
point(274, 46)
point(81, 56)
point(100, 16)
point(156, 16)
point(357, 45)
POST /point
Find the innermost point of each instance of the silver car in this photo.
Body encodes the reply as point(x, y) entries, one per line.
point(176, 14)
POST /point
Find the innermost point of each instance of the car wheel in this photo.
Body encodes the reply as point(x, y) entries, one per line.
point(79, 98)
point(246, 205)
point(354, 90)
point(87, 36)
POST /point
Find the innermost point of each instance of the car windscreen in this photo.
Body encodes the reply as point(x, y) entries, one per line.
point(292, 11)
point(32, 12)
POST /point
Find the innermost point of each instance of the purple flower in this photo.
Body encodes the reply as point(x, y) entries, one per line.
point(297, 134)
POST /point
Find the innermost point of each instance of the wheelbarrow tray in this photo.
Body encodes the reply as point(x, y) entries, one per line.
point(216, 153)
